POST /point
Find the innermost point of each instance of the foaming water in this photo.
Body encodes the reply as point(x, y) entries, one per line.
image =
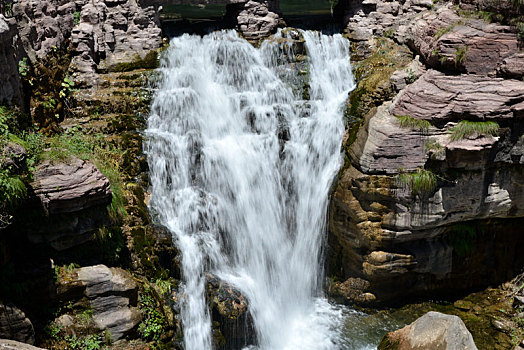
point(240, 168)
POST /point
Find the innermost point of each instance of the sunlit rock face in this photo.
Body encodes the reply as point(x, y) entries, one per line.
point(421, 208)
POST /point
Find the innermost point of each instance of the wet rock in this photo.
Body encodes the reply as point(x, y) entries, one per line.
point(15, 325)
point(229, 310)
point(14, 345)
point(431, 331)
point(70, 186)
point(353, 290)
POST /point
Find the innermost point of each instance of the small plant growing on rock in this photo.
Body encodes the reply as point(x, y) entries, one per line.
point(421, 182)
point(466, 128)
point(155, 322)
point(406, 121)
point(460, 55)
point(76, 17)
point(435, 148)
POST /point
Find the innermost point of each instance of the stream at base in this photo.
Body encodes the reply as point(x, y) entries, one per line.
point(241, 163)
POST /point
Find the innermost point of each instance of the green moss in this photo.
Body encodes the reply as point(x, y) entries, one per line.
point(421, 182)
point(406, 121)
point(466, 128)
point(150, 61)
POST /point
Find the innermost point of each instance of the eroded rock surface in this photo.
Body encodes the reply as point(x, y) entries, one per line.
point(434, 330)
point(451, 42)
point(15, 325)
point(111, 293)
point(70, 186)
point(6, 344)
point(256, 19)
point(114, 32)
point(10, 87)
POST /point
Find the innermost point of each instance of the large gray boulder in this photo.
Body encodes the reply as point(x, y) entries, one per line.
point(15, 325)
point(70, 186)
point(6, 344)
point(432, 331)
point(73, 196)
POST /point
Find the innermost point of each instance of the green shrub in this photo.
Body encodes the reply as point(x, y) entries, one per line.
point(421, 182)
point(12, 190)
point(91, 342)
point(23, 67)
point(406, 121)
point(466, 128)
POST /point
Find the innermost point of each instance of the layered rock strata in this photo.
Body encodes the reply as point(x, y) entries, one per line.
point(111, 294)
point(430, 201)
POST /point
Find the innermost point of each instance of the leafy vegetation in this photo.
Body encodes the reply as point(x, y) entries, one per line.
point(420, 182)
point(406, 121)
point(466, 128)
point(90, 342)
point(76, 17)
point(154, 323)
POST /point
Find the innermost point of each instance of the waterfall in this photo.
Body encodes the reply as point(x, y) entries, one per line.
point(242, 201)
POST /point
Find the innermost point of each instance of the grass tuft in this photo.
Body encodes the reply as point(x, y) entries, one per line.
point(406, 121)
point(466, 128)
point(460, 55)
point(421, 182)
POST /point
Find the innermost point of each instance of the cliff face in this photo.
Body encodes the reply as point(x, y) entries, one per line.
point(431, 199)
point(10, 90)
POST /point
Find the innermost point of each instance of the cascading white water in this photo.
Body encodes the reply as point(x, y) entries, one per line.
point(241, 202)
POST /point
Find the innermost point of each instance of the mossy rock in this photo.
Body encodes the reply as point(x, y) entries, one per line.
point(373, 76)
point(149, 61)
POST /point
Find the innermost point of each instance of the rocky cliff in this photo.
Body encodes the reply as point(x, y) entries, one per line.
point(430, 200)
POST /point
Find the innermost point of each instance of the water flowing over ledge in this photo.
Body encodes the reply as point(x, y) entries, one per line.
point(240, 168)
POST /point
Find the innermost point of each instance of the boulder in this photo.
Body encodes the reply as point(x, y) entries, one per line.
point(6, 344)
point(512, 67)
point(256, 19)
point(434, 330)
point(229, 310)
point(15, 325)
point(111, 293)
point(70, 186)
